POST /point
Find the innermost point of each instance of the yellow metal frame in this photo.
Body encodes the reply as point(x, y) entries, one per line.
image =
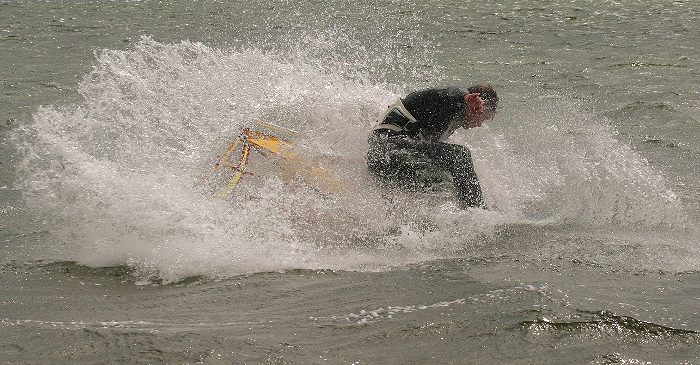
point(247, 140)
point(267, 144)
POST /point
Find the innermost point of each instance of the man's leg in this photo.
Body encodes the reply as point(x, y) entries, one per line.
point(394, 157)
point(458, 161)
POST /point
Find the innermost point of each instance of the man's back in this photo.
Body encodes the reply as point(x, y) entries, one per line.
point(439, 112)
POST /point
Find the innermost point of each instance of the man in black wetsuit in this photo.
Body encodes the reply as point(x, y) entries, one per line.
point(411, 134)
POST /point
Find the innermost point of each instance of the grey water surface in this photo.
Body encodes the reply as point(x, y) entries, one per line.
point(113, 250)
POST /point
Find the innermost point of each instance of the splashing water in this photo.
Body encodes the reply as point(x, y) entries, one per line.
point(117, 176)
point(565, 164)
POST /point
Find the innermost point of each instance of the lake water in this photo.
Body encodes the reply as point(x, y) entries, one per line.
point(115, 250)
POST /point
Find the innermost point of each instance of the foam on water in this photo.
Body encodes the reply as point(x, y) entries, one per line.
point(118, 177)
point(564, 163)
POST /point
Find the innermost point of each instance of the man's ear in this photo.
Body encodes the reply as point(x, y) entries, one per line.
point(474, 103)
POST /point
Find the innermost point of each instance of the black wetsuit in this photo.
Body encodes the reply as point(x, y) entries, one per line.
point(398, 154)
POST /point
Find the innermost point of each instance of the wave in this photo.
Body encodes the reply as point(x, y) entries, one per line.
point(605, 323)
point(117, 176)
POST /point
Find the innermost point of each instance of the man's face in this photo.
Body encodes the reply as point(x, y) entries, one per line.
point(478, 119)
point(478, 111)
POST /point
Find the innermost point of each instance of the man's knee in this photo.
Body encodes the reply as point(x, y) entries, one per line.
point(376, 161)
point(462, 153)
